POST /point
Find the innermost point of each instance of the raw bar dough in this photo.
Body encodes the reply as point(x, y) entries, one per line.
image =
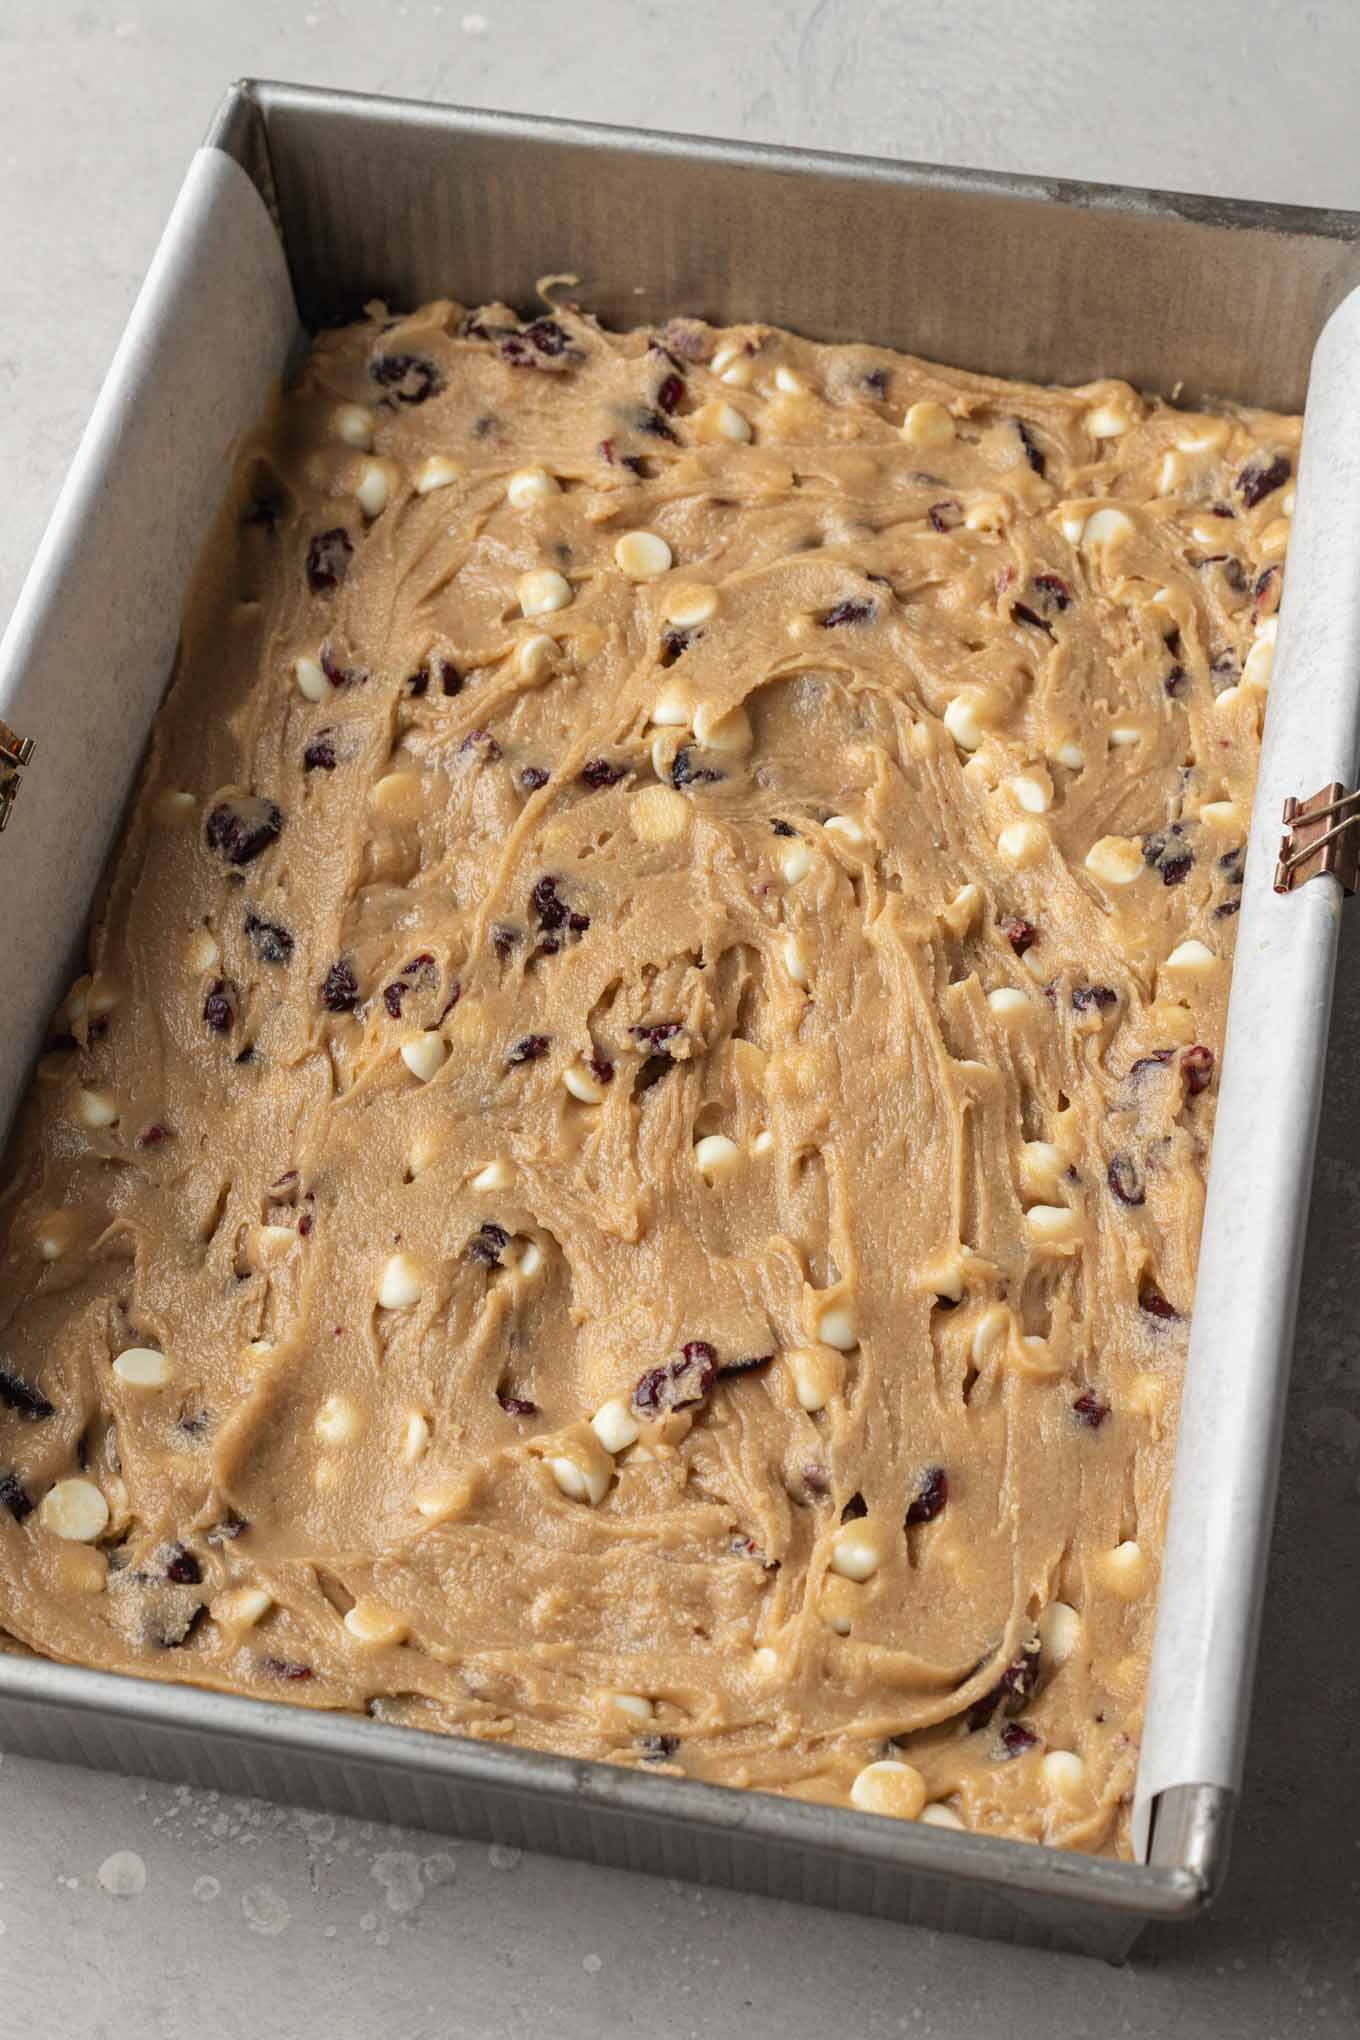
point(772, 997)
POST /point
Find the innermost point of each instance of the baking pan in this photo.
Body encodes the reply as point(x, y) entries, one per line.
point(303, 204)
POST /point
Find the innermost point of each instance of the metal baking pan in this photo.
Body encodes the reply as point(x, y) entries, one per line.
point(301, 205)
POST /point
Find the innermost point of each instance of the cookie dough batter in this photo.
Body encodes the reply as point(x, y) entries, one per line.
point(626, 1174)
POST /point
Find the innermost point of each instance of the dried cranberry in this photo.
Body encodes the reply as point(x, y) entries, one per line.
point(328, 558)
point(286, 1668)
point(239, 829)
point(816, 1479)
point(684, 771)
point(598, 773)
point(1012, 1691)
point(410, 377)
point(931, 1497)
point(1232, 864)
point(653, 422)
point(418, 683)
point(487, 1244)
point(668, 395)
point(849, 611)
point(1227, 909)
point(319, 755)
point(1174, 683)
point(271, 943)
point(1260, 478)
point(1085, 998)
point(1021, 935)
point(219, 1008)
point(673, 642)
point(681, 1384)
point(504, 939)
point(532, 777)
point(1015, 1739)
point(227, 1529)
point(1091, 1409)
point(1052, 592)
point(450, 679)
point(1031, 446)
point(945, 516)
point(578, 923)
point(340, 991)
point(613, 458)
point(1224, 672)
point(875, 380)
point(1151, 1300)
point(516, 1405)
point(17, 1394)
point(1124, 1179)
point(528, 1048)
point(393, 995)
point(656, 1749)
point(601, 1069)
point(1022, 613)
point(1198, 1066)
point(1156, 1060)
point(483, 741)
point(655, 1033)
point(183, 1568)
point(746, 1547)
point(544, 902)
point(15, 1497)
point(783, 828)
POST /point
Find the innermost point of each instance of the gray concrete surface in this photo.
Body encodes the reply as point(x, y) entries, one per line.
point(260, 1923)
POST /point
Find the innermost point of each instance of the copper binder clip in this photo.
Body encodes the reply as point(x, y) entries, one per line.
point(15, 753)
point(1319, 835)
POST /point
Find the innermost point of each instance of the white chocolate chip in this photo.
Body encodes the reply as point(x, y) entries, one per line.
point(375, 487)
point(1260, 659)
point(671, 711)
point(371, 1623)
point(858, 1552)
point(311, 680)
point(726, 730)
point(423, 1152)
point(1009, 1004)
point(579, 1483)
point(202, 952)
point(634, 1705)
point(436, 473)
point(927, 424)
point(937, 1814)
point(1041, 1168)
point(716, 1157)
point(848, 829)
point(1170, 474)
point(731, 351)
point(1209, 435)
point(1194, 958)
point(530, 1259)
point(424, 1055)
point(796, 862)
point(962, 910)
point(889, 1787)
point(354, 424)
point(398, 797)
point(415, 1436)
point(615, 1425)
point(1126, 1570)
point(1072, 756)
point(1106, 527)
point(763, 1144)
point(1032, 793)
point(816, 1375)
point(658, 814)
point(1051, 1224)
point(1107, 421)
point(795, 959)
point(836, 1327)
point(961, 719)
point(689, 605)
point(1124, 734)
point(142, 1367)
point(729, 423)
point(241, 1607)
point(75, 1510)
point(1063, 1772)
point(734, 366)
point(531, 485)
point(56, 1235)
point(95, 1109)
point(1021, 843)
point(173, 806)
point(986, 513)
point(1072, 526)
point(400, 1283)
point(1220, 814)
point(790, 384)
point(104, 996)
point(541, 591)
point(642, 555)
point(583, 1084)
point(990, 1329)
point(497, 1175)
point(339, 1421)
point(535, 656)
point(1059, 1632)
point(1115, 860)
